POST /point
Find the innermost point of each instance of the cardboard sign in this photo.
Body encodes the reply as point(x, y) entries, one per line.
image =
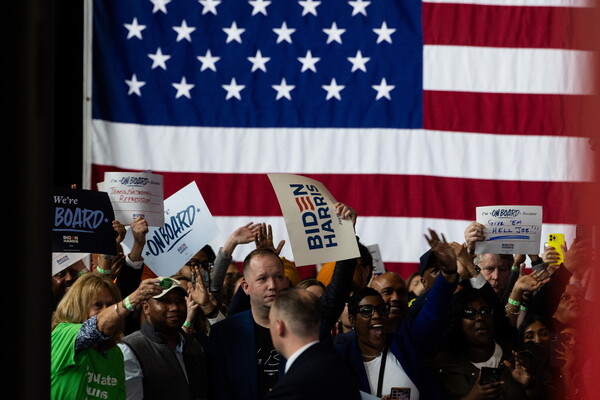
point(316, 234)
point(61, 261)
point(82, 222)
point(378, 266)
point(136, 194)
point(188, 226)
point(510, 229)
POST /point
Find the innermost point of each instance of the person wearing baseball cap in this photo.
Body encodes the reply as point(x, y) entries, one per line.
point(160, 360)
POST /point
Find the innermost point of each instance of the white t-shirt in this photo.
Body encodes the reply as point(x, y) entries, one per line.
point(493, 361)
point(393, 376)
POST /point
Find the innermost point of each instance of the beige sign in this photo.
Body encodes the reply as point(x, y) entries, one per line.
point(316, 234)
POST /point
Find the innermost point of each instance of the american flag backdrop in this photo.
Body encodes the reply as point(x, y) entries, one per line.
point(414, 113)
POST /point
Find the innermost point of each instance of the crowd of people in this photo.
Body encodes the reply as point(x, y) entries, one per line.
point(464, 326)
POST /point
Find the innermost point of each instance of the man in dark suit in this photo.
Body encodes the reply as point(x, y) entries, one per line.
point(313, 370)
point(243, 364)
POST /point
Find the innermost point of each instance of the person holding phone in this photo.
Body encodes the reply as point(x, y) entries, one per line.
point(476, 360)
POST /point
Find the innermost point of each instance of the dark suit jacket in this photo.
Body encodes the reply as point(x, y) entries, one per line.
point(231, 348)
point(318, 373)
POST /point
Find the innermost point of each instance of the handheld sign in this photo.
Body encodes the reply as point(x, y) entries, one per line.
point(82, 222)
point(61, 261)
point(188, 226)
point(510, 229)
point(316, 234)
point(136, 194)
point(378, 265)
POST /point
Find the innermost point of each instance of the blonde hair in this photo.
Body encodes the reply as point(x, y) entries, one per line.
point(75, 305)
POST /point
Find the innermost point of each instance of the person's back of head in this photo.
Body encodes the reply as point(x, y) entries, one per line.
point(301, 311)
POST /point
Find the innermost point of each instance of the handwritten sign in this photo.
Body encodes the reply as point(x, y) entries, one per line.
point(316, 234)
point(188, 226)
point(82, 222)
point(136, 194)
point(510, 229)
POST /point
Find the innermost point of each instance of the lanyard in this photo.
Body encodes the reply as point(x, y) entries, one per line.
point(381, 372)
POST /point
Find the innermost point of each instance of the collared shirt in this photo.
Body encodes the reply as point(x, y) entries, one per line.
point(296, 354)
point(133, 370)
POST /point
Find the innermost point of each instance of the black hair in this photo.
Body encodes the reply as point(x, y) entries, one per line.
point(358, 295)
point(454, 338)
point(210, 253)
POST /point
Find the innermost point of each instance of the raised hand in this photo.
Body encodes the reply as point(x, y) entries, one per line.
point(473, 234)
point(442, 250)
point(264, 239)
point(346, 212)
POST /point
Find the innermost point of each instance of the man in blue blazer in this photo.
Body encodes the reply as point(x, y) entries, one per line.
point(313, 369)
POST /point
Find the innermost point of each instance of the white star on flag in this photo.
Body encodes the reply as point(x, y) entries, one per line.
point(333, 90)
point(359, 7)
point(334, 33)
point(384, 33)
point(234, 33)
point(183, 88)
point(259, 6)
point(358, 62)
point(134, 85)
point(308, 62)
point(233, 90)
point(134, 29)
point(283, 90)
point(383, 90)
point(160, 5)
point(183, 31)
point(159, 59)
point(284, 33)
point(309, 7)
point(209, 6)
point(258, 61)
point(208, 61)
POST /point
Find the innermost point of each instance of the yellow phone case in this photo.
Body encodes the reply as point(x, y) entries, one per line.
point(556, 240)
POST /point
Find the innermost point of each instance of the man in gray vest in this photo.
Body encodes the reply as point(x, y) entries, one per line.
point(160, 361)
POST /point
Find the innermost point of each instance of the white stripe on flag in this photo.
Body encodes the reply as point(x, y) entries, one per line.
point(362, 151)
point(506, 70)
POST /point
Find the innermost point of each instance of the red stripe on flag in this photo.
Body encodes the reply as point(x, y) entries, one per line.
point(388, 195)
point(503, 113)
point(504, 26)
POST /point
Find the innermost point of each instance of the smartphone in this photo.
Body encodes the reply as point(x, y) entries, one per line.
point(556, 240)
point(400, 393)
point(489, 375)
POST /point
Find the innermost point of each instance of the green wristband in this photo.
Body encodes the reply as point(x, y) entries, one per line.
point(102, 271)
point(187, 324)
point(514, 302)
point(83, 272)
point(128, 305)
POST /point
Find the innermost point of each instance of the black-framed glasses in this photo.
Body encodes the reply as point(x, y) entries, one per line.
point(368, 310)
point(471, 313)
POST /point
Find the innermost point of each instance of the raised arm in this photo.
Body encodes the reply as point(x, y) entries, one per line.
point(242, 235)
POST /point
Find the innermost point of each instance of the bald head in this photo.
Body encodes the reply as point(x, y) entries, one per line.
point(393, 289)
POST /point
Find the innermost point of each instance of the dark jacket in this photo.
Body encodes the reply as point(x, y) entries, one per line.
point(318, 373)
point(163, 376)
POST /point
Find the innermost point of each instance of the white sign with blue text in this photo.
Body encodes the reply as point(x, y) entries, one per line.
point(316, 234)
point(188, 226)
point(510, 229)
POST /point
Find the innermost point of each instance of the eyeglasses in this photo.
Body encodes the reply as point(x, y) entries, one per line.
point(368, 310)
point(471, 313)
